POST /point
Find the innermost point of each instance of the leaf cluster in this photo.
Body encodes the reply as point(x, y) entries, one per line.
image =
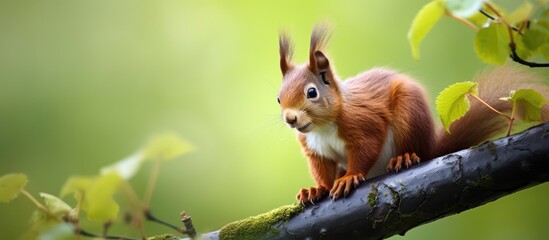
point(522, 33)
point(94, 195)
point(453, 103)
point(519, 34)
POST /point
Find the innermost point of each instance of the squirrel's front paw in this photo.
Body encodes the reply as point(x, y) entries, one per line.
point(342, 186)
point(311, 195)
point(406, 159)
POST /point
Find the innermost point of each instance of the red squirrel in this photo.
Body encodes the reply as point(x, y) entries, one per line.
point(379, 120)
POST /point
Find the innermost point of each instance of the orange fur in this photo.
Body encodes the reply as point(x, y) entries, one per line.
point(377, 115)
point(480, 123)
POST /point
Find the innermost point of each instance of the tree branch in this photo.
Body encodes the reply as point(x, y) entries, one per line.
point(518, 59)
point(512, 45)
point(395, 203)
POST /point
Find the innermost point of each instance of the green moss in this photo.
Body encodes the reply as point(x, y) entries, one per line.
point(492, 148)
point(372, 196)
point(394, 194)
point(253, 227)
point(163, 237)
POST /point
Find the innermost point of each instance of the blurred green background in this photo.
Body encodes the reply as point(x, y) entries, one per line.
point(86, 83)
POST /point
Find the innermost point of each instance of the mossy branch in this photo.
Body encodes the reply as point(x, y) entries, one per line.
point(395, 203)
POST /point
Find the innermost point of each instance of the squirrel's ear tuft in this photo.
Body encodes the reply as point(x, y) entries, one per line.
point(321, 61)
point(286, 51)
point(319, 39)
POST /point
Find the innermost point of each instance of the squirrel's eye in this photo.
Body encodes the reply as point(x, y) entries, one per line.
point(278, 100)
point(311, 93)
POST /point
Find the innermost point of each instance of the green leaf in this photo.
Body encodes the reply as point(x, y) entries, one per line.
point(56, 206)
point(165, 147)
point(463, 8)
point(478, 19)
point(127, 167)
point(533, 38)
point(424, 21)
point(522, 13)
point(545, 13)
point(96, 195)
point(527, 104)
point(544, 49)
point(11, 185)
point(492, 44)
point(76, 185)
point(452, 103)
point(543, 24)
point(522, 51)
point(99, 203)
point(41, 223)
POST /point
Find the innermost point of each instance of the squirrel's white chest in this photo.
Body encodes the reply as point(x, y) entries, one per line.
point(326, 142)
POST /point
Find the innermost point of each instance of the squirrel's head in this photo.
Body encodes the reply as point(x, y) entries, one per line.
point(310, 95)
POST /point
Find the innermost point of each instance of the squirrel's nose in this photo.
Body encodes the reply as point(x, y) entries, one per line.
point(291, 120)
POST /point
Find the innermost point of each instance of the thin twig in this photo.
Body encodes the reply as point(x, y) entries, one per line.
point(131, 196)
point(512, 45)
point(38, 204)
point(493, 18)
point(462, 20)
point(139, 225)
point(487, 14)
point(500, 17)
point(136, 206)
point(511, 120)
point(511, 117)
point(518, 59)
point(91, 235)
point(490, 107)
point(152, 182)
point(188, 222)
point(152, 218)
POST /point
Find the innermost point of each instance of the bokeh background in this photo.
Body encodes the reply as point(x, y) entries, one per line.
point(86, 83)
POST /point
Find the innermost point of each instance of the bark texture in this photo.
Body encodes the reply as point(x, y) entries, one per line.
point(395, 203)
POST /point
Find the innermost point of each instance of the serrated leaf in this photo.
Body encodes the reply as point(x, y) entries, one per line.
point(423, 22)
point(11, 185)
point(56, 206)
point(528, 103)
point(166, 147)
point(126, 167)
point(492, 44)
point(452, 103)
point(522, 13)
point(534, 38)
point(463, 8)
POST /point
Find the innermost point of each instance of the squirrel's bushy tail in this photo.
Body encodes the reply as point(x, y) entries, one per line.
point(480, 123)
